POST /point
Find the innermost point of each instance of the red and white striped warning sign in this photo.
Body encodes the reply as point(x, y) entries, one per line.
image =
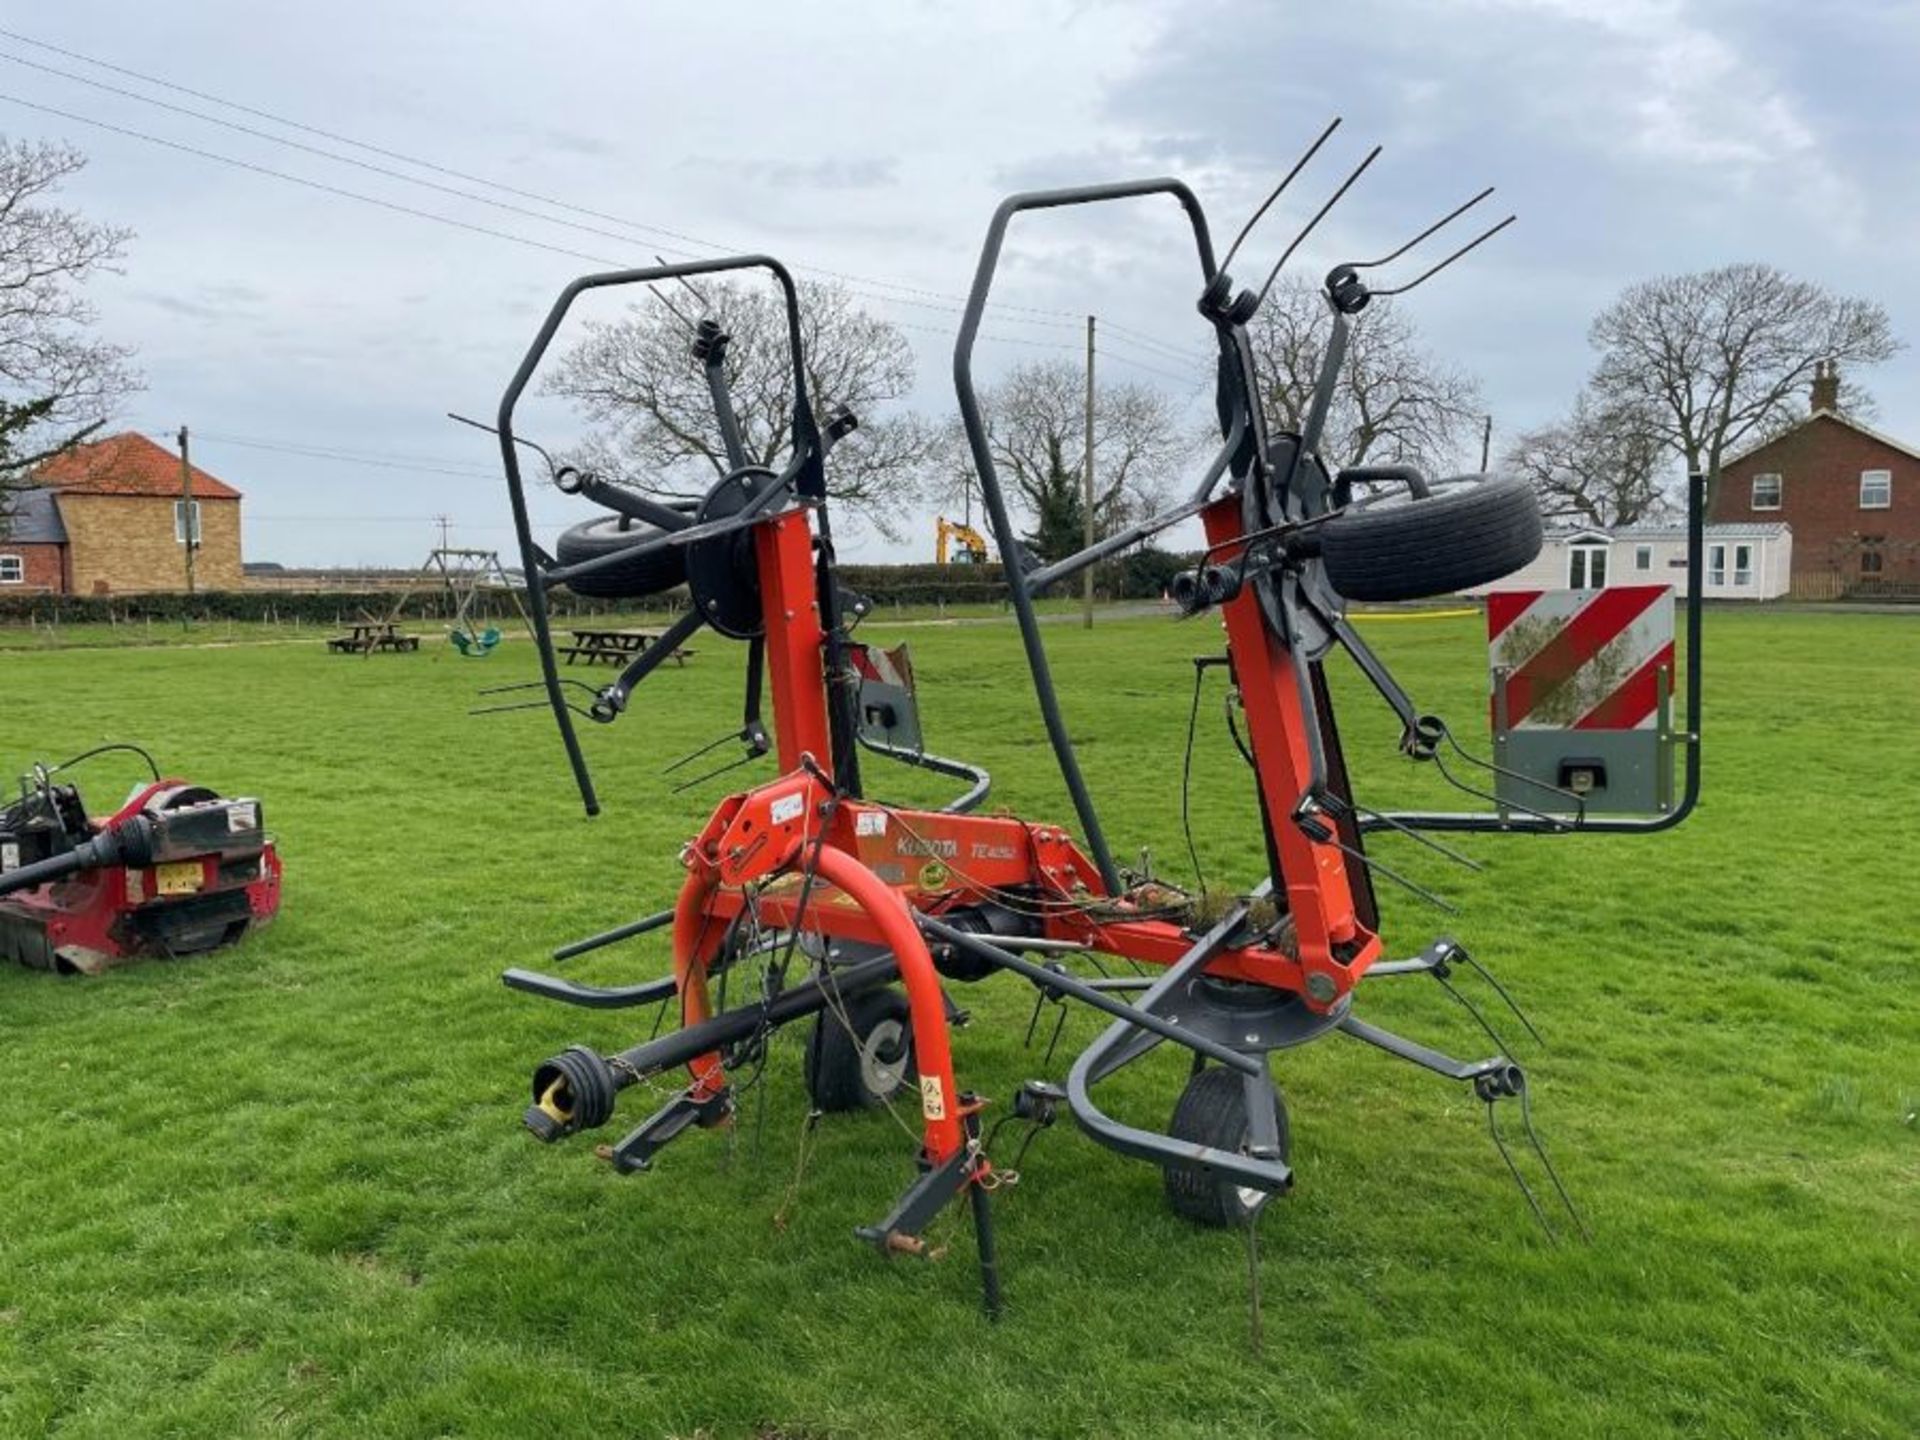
point(1580, 659)
point(889, 667)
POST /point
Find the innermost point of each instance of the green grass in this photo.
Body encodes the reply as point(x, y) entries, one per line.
point(284, 1190)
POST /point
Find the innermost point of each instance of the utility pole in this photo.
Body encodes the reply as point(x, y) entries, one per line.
point(188, 517)
point(1486, 440)
point(1086, 582)
point(441, 521)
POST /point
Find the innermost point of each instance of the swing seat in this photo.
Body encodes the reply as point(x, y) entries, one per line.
point(475, 645)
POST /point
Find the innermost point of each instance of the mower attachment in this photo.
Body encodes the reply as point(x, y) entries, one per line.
point(175, 871)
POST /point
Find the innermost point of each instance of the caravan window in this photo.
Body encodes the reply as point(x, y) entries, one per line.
point(1586, 566)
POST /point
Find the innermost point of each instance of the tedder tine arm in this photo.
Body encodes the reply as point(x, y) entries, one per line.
point(1121, 1043)
point(611, 702)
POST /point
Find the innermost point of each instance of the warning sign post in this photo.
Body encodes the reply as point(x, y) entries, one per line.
point(1582, 691)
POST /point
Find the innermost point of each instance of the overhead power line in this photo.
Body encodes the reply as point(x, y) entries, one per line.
point(391, 205)
point(299, 145)
point(322, 186)
point(455, 469)
point(928, 299)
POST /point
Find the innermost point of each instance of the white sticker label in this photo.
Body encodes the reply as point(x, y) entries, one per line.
point(9, 856)
point(870, 822)
point(789, 807)
point(242, 817)
point(933, 1098)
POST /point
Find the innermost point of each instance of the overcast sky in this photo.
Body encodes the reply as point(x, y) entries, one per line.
point(1634, 137)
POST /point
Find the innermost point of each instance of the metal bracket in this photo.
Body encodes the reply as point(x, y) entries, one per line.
point(650, 1136)
point(899, 1232)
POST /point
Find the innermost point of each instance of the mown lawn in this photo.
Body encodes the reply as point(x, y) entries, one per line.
point(284, 1189)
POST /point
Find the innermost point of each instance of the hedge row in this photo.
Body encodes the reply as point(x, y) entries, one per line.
point(1141, 575)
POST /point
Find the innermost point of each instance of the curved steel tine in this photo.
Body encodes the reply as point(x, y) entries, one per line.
point(539, 450)
point(1412, 834)
point(714, 773)
point(1487, 975)
point(1579, 802)
point(1473, 1010)
point(1433, 270)
point(1318, 216)
point(691, 288)
point(1059, 1024)
point(536, 685)
point(1360, 857)
point(1277, 191)
point(1493, 1128)
point(1533, 1139)
point(1558, 822)
point(693, 755)
point(1033, 1020)
point(677, 313)
point(1440, 224)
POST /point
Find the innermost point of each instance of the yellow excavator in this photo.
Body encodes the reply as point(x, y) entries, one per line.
point(957, 544)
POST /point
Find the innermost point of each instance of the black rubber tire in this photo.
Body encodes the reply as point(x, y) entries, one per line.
point(1460, 538)
point(838, 1064)
point(1212, 1111)
point(643, 575)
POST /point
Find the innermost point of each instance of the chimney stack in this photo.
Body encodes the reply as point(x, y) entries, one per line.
point(1826, 386)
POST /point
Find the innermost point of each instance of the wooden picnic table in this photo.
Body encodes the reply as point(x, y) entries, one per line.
point(615, 647)
point(366, 636)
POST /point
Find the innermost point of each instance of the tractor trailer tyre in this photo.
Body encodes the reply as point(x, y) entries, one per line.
point(861, 1061)
point(1458, 539)
point(1212, 1111)
point(647, 574)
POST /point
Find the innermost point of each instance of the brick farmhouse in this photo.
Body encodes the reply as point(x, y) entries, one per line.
point(1850, 495)
point(109, 518)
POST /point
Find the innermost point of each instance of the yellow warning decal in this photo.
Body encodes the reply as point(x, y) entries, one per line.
point(933, 1099)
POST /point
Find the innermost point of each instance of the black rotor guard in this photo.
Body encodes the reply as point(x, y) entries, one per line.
point(722, 574)
point(1310, 495)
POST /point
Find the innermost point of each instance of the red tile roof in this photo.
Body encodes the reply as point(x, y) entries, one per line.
point(126, 464)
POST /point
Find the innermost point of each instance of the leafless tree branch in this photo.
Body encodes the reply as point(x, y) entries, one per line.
point(58, 382)
point(636, 382)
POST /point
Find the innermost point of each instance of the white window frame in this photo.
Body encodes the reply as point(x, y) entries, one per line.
point(1779, 491)
point(1643, 557)
point(17, 564)
point(1716, 567)
point(1742, 565)
point(1884, 478)
point(180, 512)
point(1581, 554)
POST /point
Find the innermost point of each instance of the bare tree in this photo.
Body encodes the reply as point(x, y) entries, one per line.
point(58, 382)
point(1599, 466)
point(1722, 357)
point(1394, 402)
point(1036, 420)
point(636, 379)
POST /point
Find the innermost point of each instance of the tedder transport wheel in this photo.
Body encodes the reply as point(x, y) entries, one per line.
point(1470, 536)
point(1213, 1111)
point(866, 1068)
point(643, 575)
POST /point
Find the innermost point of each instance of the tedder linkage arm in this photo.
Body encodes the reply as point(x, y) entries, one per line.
point(805, 476)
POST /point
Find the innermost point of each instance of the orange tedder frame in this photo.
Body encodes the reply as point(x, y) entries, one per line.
point(878, 865)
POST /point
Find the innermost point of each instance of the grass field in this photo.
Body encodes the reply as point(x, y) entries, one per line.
point(283, 1190)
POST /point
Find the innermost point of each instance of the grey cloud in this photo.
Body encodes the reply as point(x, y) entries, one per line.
point(830, 173)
